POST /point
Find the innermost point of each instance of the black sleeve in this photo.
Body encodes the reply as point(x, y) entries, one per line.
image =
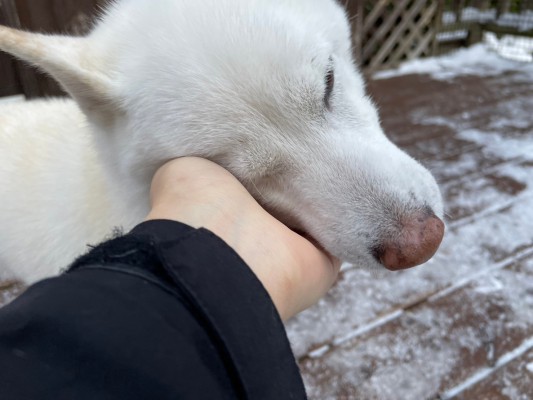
point(165, 312)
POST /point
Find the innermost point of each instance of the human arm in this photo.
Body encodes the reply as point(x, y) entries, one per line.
point(166, 311)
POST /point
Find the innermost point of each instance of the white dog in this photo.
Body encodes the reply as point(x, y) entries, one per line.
point(266, 88)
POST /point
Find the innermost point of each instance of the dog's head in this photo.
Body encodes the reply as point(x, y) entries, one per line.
point(269, 90)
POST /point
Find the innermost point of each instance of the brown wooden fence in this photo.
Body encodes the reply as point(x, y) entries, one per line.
point(385, 32)
point(464, 21)
point(51, 16)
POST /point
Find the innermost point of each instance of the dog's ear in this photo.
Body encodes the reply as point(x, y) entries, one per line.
point(70, 60)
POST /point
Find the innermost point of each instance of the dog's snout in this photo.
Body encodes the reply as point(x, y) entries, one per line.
point(417, 241)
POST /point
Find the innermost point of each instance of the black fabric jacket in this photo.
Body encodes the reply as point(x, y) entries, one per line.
point(165, 312)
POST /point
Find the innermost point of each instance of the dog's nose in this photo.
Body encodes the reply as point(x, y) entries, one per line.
point(417, 242)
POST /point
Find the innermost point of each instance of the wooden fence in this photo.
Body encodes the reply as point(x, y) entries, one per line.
point(51, 16)
point(464, 21)
point(385, 32)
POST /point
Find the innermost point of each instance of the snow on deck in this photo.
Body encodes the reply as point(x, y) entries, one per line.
point(461, 326)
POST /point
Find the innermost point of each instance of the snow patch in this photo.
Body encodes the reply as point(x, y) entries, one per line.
point(529, 367)
point(368, 327)
point(480, 60)
point(500, 144)
point(512, 47)
point(485, 372)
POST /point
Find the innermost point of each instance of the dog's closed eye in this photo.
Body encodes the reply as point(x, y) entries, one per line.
point(330, 84)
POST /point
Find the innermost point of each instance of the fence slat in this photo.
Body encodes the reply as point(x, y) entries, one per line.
point(397, 33)
point(29, 82)
point(382, 31)
point(372, 17)
point(9, 79)
point(416, 32)
point(422, 46)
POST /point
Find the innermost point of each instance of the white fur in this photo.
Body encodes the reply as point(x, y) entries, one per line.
point(240, 82)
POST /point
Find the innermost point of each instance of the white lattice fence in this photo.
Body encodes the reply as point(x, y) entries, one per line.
point(387, 32)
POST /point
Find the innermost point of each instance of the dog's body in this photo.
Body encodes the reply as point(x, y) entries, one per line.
point(49, 164)
point(266, 88)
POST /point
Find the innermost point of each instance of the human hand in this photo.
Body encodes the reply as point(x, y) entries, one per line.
point(200, 193)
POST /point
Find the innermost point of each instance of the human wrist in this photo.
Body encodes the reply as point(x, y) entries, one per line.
point(199, 193)
point(242, 238)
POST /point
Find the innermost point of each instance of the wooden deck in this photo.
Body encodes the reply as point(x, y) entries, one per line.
point(461, 326)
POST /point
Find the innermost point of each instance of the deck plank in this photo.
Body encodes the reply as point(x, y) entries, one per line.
point(432, 347)
point(513, 380)
point(361, 296)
